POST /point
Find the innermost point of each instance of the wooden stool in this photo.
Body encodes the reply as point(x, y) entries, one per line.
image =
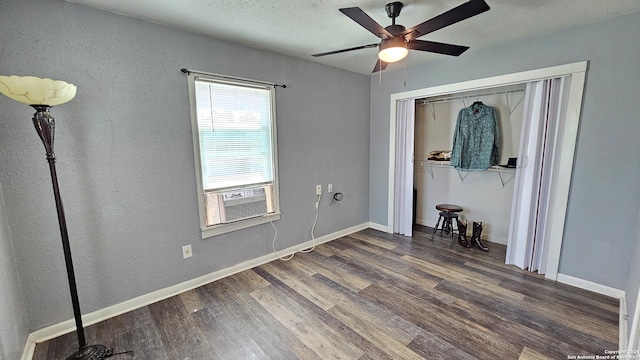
point(449, 217)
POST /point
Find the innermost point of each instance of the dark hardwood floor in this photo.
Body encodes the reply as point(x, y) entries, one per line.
point(370, 295)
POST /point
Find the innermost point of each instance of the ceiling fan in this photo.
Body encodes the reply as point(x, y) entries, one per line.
point(397, 40)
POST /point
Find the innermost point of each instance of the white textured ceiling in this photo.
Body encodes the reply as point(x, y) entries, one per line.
point(300, 28)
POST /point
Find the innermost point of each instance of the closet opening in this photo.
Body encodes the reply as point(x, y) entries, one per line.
point(434, 109)
point(485, 195)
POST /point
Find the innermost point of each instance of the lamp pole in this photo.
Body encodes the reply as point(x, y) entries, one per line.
point(42, 94)
point(45, 126)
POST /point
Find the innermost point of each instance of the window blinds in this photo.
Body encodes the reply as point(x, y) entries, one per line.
point(234, 125)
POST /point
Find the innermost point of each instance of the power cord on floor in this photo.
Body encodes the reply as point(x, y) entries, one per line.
point(313, 239)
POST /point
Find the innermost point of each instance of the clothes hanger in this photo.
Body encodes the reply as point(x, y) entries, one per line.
point(477, 102)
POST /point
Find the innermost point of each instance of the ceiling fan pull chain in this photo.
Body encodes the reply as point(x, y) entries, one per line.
point(405, 69)
point(380, 72)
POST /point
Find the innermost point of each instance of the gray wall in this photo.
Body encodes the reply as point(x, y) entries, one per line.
point(604, 196)
point(13, 315)
point(125, 155)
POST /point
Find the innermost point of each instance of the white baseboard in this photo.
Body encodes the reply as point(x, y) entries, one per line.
point(634, 336)
point(376, 226)
point(622, 323)
point(68, 326)
point(591, 286)
point(29, 348)
point(608, 291)
point(425, 222)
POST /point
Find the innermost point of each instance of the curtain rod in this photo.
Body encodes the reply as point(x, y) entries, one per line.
point(188, 72)
point(425, 102)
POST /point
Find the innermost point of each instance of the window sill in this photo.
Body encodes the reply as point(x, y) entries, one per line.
point(239, 225)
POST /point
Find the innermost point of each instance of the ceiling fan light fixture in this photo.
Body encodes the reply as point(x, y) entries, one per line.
point(392, 50)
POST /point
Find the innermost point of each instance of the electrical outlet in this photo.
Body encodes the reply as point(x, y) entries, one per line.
point(186, 251)
point(318, 189)
point(330, 188)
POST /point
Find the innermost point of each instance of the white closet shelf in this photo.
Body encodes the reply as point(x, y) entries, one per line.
point(430, 164)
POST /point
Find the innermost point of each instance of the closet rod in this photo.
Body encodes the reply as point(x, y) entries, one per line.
point(425, 102)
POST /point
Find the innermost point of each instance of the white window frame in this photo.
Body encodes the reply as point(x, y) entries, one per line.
point(213, 230)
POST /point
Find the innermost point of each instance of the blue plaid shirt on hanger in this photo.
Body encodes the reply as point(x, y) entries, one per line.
point(476, 138)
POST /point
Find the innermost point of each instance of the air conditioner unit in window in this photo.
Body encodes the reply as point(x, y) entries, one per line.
point(235, 205)
point(238, 204)
point(243, 204)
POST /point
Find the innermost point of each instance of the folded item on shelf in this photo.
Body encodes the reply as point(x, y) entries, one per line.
point(439, 155)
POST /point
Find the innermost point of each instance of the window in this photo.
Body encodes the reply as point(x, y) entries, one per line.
point(234, 139)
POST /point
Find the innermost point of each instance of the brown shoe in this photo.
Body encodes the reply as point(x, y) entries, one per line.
point(475, 238)
point(462, 234)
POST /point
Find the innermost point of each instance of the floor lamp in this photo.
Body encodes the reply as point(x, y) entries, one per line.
point(42, 94)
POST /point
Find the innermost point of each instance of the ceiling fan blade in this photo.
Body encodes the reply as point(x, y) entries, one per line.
point(459, 13)
point(436, 47)
point(345, 50)
point(356, 14)
point(380, 65)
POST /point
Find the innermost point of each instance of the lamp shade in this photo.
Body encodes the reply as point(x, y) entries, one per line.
point(392, 50)
point(31, 90)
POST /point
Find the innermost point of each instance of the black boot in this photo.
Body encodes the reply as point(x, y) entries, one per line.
point(462, 234)
point(475, 238)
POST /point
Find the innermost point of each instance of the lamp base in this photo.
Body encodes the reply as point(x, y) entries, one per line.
point(92, 352)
